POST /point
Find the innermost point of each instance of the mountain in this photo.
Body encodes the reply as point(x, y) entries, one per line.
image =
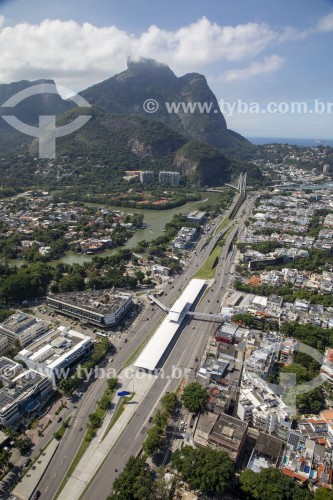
point(122, 136)
point(27, 111)
point(147, 79)
point(115, 143)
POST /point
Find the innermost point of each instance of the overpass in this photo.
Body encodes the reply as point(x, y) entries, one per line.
point(158, 303)
point(193, 314)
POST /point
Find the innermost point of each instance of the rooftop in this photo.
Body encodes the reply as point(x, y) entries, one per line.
point(97, 301)
point(268, 445)
point(19, 322)
point(52, 347)
point(20, 385)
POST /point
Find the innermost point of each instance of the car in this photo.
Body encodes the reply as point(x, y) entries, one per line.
point(59, 420)
point(37, 495)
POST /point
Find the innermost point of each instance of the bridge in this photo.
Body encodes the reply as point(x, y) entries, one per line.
point(239, 184)
point(193, 314)
point(158, 303)
point(205, 316)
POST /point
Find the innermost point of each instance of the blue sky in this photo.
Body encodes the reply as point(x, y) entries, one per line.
point(250, 51)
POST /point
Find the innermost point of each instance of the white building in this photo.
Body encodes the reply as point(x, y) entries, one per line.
point(22, 394)
point(100, 307)
point(4, 345)
point(262, 408)
point(23, 328)
point(196, 217)
point(158, 347)
point(57, 353)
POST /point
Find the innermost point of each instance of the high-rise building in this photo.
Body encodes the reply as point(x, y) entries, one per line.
point(166, 177)
point(147, 177)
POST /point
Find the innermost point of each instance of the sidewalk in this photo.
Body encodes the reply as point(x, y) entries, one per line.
point(27, 486)
point(99, 449)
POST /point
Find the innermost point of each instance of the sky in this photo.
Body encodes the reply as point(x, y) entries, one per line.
point(260, 57)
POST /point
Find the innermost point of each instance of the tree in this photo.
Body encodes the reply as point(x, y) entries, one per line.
point(300, 371)
point(4, 459)
point(270, 484)
point(323, 494)
point(24, 445)
point(112, 383)
point(154, 440)
point(169, 401)
point(139, 276)
point(194, 397)
point(135, 476)
point(208, 470)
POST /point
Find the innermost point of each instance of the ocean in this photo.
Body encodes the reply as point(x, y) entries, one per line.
point(292, 141)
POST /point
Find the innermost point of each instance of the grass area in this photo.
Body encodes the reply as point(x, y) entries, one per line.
point(59, 434)
point(207, 271)
point(118, 413)
point(223, 224)
point(137, 351)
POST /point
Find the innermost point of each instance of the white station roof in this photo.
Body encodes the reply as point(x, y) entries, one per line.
point(156, 347)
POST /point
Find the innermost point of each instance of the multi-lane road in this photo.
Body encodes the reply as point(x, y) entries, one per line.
point(190, 344)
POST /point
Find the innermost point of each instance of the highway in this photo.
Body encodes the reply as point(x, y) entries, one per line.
point(190, 344)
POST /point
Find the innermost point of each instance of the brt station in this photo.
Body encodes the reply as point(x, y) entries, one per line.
point(160, 345)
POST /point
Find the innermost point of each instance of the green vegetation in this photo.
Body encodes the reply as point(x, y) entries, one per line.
point(135, 482)
point(118, 413)
point(205, 469)
point(207, 271)
point(24, 444)
point(287, 292)
point(312, 335)
point(96, 418)
point(223, 224)
point(271, 484)
point(59, 434)
point(194, 397)
point(90, 433)
point(4, 460)
point(156, 434)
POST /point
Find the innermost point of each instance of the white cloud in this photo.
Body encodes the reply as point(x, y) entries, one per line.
point(325, 23)
point(77, 56)
point(270, 64)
